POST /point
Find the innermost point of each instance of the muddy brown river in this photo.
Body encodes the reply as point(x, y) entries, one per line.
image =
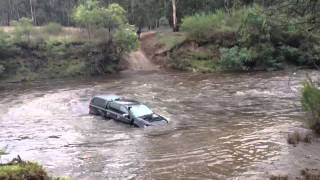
point(222, 126)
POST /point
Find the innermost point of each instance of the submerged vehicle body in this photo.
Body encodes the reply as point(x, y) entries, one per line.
point(124, 110)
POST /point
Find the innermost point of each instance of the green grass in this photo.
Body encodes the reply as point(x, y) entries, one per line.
point(196, 61)
point(204, 66)
point(26, 171)
point(171, 40)
point(23, 171)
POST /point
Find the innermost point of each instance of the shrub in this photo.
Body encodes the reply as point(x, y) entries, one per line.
point(76, 68)
point(204, 27)
point(23, 171)
point(311, 104)
point(255, 27)
point(310, 56)
point(4, 40)
point(296, 137)
point(53, 28)
point(267, 57)
point(179, 60)
point(163, 21)
point(22, 29)
point(200, 27)
point(236, 58)
point(4, 43)
point(2, 69)
point(126, 39)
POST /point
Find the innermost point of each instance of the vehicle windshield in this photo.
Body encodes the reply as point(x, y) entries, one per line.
point(140, 110)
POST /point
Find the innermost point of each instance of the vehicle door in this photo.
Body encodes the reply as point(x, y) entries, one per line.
point(113, 111)
point(124, 114)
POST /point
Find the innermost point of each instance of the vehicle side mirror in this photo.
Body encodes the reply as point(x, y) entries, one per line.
point(125, 115)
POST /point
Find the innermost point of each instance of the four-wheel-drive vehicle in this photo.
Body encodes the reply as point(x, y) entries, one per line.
point(124, 110)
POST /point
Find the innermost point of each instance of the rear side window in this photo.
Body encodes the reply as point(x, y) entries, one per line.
point(114, 106)
point(100, 102)
point(118, 108)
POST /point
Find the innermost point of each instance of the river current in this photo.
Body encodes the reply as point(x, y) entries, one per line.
point(222, 126)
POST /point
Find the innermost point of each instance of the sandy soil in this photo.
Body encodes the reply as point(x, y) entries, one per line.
point(138, 61)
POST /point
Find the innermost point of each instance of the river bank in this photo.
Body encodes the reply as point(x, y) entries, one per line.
point(43, 56)
point(175, 51)
point(30, 53)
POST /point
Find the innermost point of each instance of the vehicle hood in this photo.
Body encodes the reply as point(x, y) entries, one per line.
point(159, 123)
point(155, 120)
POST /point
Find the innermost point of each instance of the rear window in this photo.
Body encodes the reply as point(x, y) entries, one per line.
point(99, 102)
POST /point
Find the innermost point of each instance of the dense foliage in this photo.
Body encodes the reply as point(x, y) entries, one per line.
point(150, 13)
point(145, 13)
point(253, 37)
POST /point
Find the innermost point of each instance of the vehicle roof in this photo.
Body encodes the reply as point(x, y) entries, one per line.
point(110, 97)
point(118, 99)
point(127, 102)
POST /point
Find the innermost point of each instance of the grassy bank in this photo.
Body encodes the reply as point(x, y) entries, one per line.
point(246, 39)
point(18, 169)
point(52, 51)
point(62, 53)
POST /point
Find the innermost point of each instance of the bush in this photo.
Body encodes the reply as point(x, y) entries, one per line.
point(311, 104)
point(126, 39)
point(237, 59)
point(53, 28)
point(255, 27)
point(4, 43)
point(4, 40)
point(2, 69)
point(23, 171)
point(179, 60)
point(200, 27)
point(267, 57)
point(163, 21)
point(296, 137)
point(22, 29)
point(204, 27)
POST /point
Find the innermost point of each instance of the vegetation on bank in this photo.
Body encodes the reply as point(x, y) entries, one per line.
point(23, 171)
point(246, 38)
point(51, 51)
point(18, 169)
point(311, 104)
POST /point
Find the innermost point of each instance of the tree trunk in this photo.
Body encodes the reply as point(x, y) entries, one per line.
point(31, 11)
point(174, 16)
point(227, 6)
point(10, 12)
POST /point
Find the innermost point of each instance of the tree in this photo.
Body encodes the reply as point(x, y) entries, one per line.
point(174, 15)
point(92, 14)
point(113, 17)
point(89, 14)
point(126, 39)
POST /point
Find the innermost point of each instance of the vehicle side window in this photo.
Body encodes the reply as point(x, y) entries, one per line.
point(124, 110)
point(114, 107)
